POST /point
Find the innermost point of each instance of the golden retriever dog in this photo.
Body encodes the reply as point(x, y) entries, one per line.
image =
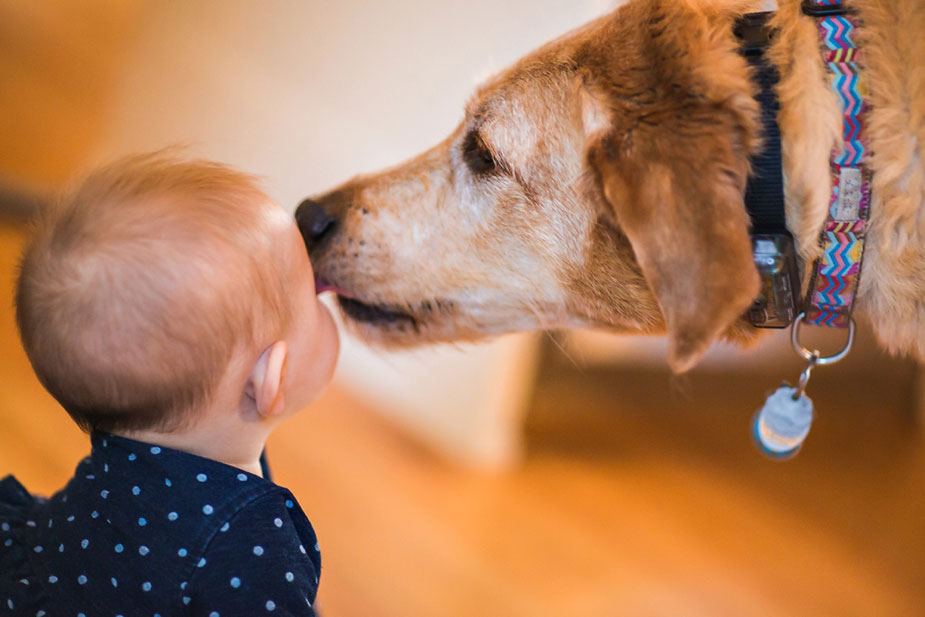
point(598, 183)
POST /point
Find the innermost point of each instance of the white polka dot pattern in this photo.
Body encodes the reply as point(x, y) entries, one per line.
point(144, 516)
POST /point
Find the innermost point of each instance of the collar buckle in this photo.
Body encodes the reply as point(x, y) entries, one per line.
point(753, 33)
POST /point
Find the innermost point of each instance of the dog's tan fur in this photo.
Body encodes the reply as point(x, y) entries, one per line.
point(621, 153)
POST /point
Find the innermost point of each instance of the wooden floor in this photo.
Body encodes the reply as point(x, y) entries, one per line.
point(639, 496)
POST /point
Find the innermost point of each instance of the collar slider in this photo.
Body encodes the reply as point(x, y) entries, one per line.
point(753, 33)
point(814, 9)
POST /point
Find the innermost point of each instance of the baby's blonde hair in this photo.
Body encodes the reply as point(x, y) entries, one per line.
point(139, 285)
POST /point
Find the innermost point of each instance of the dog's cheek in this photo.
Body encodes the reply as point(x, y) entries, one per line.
point(607, 287)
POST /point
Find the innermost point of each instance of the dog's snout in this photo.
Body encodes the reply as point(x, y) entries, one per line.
point(314, 222)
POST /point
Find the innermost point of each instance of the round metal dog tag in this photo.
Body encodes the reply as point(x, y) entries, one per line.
point(780, 427)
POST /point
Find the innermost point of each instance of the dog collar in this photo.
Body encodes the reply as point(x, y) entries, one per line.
point(836, 274)
point(782, 424)
point(772, 244)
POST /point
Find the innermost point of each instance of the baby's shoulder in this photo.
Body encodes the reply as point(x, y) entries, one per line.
point(274, 518)
point(267, 550)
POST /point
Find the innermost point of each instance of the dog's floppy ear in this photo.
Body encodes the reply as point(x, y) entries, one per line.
point(671, 160)
point(676, 188)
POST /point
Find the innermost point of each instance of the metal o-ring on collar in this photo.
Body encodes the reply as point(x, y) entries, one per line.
point(813, 356)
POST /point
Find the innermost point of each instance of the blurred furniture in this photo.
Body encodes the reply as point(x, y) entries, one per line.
point(19, 203)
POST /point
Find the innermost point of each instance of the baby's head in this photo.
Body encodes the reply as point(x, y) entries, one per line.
point(158, 289)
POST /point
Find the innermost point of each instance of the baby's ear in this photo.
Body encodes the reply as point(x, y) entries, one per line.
point(266, 379)
point(679, 200)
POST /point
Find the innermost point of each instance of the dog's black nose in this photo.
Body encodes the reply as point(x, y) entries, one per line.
point(314, 223)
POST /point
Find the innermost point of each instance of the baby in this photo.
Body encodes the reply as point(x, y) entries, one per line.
point(170, 308)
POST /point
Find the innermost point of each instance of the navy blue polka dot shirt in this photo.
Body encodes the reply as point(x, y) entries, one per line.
point(145, 530)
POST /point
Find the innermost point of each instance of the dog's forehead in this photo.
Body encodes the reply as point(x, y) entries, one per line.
point(520, 113)
point(547, 66)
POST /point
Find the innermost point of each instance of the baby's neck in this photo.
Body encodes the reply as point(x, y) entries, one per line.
point(237, 446)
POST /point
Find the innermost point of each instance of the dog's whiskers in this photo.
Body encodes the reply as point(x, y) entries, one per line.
point(548, 331)
point(555, 341)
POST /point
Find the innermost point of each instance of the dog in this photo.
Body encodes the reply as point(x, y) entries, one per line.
point(598, 183)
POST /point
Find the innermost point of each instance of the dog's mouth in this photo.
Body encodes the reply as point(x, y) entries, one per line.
point(382, 315)
point(375, 314)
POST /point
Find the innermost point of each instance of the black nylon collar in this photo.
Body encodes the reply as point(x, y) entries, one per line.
point(764, 193)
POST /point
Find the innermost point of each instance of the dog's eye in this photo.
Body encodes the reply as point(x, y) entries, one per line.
point(477, 155)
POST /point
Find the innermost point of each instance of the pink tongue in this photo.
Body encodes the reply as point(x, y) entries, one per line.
point(322, 286)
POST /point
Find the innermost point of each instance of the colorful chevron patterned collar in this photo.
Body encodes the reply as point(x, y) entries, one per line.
point(781, 425)
point(834, 284)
